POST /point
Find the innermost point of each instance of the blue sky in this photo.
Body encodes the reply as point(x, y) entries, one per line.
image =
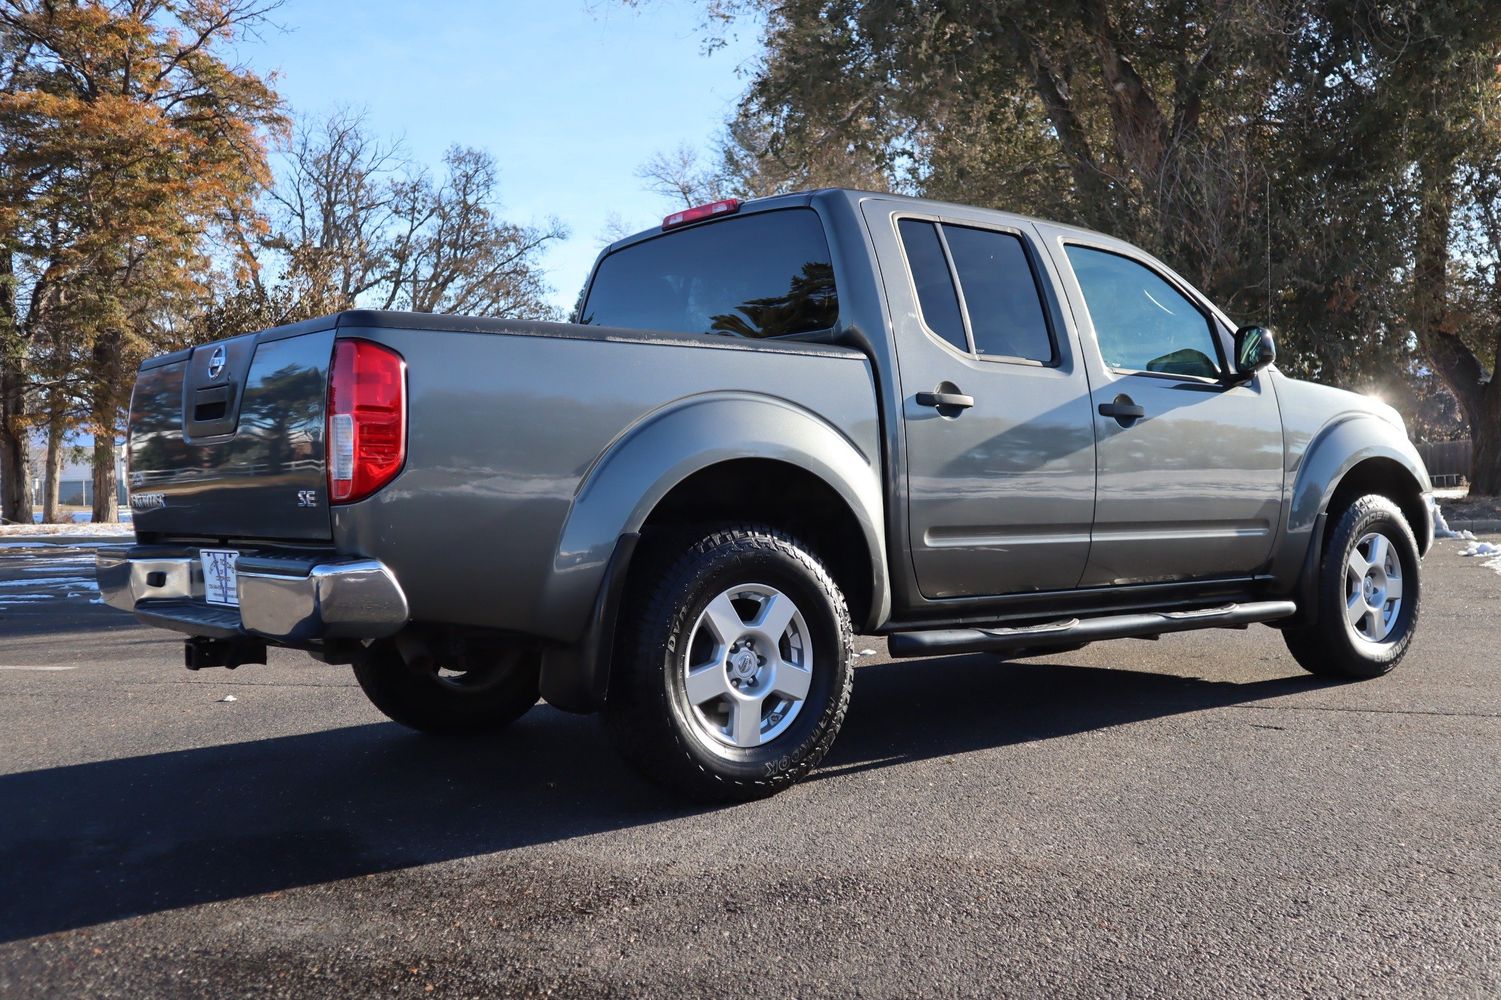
point(569, 96)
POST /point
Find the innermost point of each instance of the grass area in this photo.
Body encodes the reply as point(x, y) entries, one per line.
point(1468, 508)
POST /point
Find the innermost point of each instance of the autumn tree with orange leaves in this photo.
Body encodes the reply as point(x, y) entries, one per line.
point(131, 151)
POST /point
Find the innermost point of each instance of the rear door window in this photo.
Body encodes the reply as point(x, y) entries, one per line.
point(934, 283)
point(768, 274)
point(1000, 314)
point(1000, 294)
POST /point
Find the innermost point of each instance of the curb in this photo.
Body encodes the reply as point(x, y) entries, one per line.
point(1489, 527)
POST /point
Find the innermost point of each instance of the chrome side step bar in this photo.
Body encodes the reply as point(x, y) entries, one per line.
point(1074, 631)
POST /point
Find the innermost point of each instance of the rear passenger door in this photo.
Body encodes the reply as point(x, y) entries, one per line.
point(995, 407)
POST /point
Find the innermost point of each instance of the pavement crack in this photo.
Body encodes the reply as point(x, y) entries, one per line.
point(1370, 711)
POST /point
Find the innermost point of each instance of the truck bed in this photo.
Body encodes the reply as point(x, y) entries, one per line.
point(507, 421)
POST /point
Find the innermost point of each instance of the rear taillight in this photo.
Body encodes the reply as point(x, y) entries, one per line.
point(367, 419)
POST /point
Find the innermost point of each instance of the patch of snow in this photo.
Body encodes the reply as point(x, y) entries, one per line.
point(47, 581)
point(1488, 549)
point(79, 517)
point(1441, 527)
point(62, 534)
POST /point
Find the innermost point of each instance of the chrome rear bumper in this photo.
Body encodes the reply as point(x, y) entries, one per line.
point(288, 598)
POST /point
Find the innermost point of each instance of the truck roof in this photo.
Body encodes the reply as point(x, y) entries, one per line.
point(797, 199)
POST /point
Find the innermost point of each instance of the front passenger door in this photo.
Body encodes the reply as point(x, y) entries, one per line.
point(1190, 464)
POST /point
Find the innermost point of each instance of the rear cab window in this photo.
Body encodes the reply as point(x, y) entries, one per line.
point(766, 274)
point(978, 291)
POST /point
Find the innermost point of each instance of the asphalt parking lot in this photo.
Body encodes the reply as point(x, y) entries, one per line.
point(1189, 817)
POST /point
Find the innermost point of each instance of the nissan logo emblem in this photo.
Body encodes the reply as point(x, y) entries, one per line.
point(215, 363)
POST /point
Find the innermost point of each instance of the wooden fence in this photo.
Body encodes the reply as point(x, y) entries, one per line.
point(1448, 461)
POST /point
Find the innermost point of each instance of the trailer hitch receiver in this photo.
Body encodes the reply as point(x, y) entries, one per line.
point(199, 652)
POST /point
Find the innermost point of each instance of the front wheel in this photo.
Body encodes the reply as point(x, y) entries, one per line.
point(1367, 592)
point(732, 670)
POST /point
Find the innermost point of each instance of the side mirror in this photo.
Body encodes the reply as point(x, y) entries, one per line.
point(1255, 349)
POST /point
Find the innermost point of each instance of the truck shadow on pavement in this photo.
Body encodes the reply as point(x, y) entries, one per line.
point(89, 843)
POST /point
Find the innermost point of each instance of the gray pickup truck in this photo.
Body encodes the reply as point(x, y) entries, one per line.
point(769, 426)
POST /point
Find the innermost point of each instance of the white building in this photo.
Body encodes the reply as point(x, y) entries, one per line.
point(77, 483)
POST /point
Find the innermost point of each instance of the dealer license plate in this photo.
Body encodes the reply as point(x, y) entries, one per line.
point(220, 584)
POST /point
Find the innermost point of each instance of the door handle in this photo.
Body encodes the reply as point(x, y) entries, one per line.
point(940, 400)
point(1125, 411)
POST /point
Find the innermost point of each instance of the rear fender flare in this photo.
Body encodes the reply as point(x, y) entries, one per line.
point(642, 466)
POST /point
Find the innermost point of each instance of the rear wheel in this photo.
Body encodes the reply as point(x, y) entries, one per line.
point(1368, 593)
point(448, 699)
point(732, 673)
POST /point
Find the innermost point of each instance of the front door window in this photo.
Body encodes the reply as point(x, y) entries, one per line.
point(1142, 322)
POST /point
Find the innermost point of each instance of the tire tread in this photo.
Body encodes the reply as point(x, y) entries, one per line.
point(675, 561)
point(1324, 647)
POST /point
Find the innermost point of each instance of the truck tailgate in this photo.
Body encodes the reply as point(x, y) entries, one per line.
point(227, 439)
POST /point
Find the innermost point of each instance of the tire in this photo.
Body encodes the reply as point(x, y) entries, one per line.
point(431, 700)
point(759, 621)
point(1363, 628)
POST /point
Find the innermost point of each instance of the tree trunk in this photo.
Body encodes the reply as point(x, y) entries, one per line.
point(106, 405)
point(15, 457)
point(1485, 435)
point(106, 483)
point(1435, 323)
point(51, 477)
point(15, 475)
point(1140, 131)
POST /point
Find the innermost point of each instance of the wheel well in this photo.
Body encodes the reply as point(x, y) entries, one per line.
point(1384, 477)
point(766, 491)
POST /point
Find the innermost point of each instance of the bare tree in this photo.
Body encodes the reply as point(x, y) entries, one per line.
point(335, 202)
point(358, 225)
point(677, 175)
point(615, 228)
point(452, 254)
